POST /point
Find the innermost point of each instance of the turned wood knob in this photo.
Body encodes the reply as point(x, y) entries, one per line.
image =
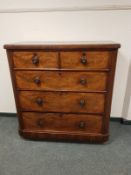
point(82, 124)
point(35, 59)
point(39, 101)
point(84, 59)
point(37, 80)
point(83, 81)
point(40, 123)
point(82, 102)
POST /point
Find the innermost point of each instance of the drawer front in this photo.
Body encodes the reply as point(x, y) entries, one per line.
point(62, 122)
point(61, 101)
point(85, 60)
point(35, 59)
point(56, 80)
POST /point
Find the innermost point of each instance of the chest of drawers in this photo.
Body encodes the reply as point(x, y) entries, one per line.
point(63, 91)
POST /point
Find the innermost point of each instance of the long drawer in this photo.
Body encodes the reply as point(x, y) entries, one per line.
point(67, 60)
point(61, 102)
point(61, 80)
point(62, 122)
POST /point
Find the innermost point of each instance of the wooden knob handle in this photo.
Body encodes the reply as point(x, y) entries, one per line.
point(83, 81)
point(40, 123)
point(82, 124)
point(35, 59)
point(82, 102)
point(39, 101)
point(84, 59)
point(37, 80)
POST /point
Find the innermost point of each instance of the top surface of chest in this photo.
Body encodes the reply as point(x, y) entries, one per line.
point(64, 45)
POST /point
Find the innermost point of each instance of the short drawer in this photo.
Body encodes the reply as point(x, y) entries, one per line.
point(61, 80)
point(85, 60)
point(35, 59)
point(61, 101)
point(62, 122)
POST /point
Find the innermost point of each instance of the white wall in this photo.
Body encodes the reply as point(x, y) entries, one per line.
point(24, 4)
point(90, 22)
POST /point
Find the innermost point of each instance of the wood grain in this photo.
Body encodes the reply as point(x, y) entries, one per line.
point(61, 122)
point(95, 59)
point(68, 45)
point(46, 59)
point(62, 102)
point(55, 80)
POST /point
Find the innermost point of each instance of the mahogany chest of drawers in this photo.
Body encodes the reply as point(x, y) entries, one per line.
point(63, 91)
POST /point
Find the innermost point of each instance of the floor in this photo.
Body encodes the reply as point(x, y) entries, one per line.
point(22, 157)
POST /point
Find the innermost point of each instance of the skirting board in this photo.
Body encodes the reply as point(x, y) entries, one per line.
point(114, 119)
point(7, 114)
point(125, 122)
point(68, 8)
